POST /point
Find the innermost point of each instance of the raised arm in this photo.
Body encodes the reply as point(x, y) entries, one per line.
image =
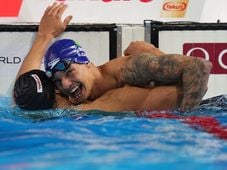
point(50, 27)
point(191, 73)
point(138, 47)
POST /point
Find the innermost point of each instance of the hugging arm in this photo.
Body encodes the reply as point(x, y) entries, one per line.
point(131, 98)
point(138, 47)
point(50, 27)
point(191, 73)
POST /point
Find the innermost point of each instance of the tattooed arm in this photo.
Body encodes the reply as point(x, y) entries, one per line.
point(138, 47)
point(190, 72)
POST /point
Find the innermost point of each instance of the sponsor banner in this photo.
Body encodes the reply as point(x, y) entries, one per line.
point(174, 8)
point(214, 52)
point(118, 11)
point(108, 11)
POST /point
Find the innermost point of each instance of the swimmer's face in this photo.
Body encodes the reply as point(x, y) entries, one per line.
point(74, 82)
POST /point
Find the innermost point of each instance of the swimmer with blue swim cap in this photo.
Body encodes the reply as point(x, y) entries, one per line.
point(61, 54)
point(62, 60)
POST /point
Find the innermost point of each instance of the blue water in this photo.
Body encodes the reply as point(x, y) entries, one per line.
point(63, 139)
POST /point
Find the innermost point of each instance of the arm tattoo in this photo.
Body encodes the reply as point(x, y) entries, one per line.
point(195, 80)
point(191, 72)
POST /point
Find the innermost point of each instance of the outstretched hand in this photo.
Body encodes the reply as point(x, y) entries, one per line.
point(51, 23)
point(50, 27)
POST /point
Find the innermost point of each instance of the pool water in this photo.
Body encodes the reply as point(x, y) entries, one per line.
point(65, 139)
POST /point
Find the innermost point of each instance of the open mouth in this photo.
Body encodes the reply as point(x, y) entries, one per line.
point(75, 94)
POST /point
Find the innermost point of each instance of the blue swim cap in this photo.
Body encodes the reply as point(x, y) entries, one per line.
point(62, 50)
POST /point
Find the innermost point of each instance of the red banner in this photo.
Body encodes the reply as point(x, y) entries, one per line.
point(10, 8)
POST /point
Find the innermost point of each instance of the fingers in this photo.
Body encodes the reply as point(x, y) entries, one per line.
point(54, 13)
point(126, 52)
point(67, 20)
point(61, 9)
point(56, 9)
point(51, 8)
point(47, 10)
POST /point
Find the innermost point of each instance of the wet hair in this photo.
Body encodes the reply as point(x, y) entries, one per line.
point(33, 90)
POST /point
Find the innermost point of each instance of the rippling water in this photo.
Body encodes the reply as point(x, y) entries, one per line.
point(63, 139)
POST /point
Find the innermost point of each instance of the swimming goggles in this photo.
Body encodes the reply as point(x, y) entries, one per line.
point(63, 65)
